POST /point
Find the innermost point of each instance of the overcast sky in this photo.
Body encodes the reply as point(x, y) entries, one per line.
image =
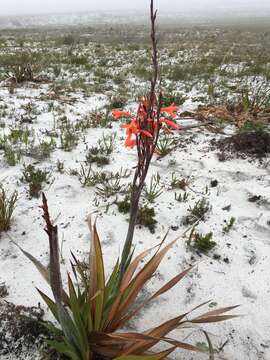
point(17, 7)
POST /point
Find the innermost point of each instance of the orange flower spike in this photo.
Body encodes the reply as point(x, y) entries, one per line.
point(117, 114)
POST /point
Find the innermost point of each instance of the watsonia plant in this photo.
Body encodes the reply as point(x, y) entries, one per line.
point(92, 311)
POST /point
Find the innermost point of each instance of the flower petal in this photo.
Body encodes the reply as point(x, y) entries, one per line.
point(146, 133)
point(170, 123)
point(172, 110)
point(130, 142)
point(117, 114)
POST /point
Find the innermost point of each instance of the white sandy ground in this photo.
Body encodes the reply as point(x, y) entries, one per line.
point(244, 280)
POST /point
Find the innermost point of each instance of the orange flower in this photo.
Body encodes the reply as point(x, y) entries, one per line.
point(129, 142)
point(146, 133)
point(131, 127)
point(131, 130)
point(170, 123)
point(117, 114)
point(171, 110)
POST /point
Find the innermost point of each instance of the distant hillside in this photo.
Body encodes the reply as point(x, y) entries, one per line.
point(190, 16)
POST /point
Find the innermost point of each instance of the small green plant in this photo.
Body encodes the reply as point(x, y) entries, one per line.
point(255, 98)
point(111, 187)
point(7, 207)
point(31, 112)
point(99, 119)
point(100, 154)
point(142, 72)
point(106, 143)
point(18, 135)
point(258, 127)
point(19, 73)
point(146, 217)
point(45, 148)
point(181, 197)
point(177, 183)
point(211, 91)
point(166, 144)
point(78, 60)
point(122, 174)
point(177, 73)
point(94, 156)
point(200, 209)
point(89, 177)
point(69, 137)
point(200, 242)
point(12, 156)
point(154, 190)
point(56, 73)
point(228, 225)
point(68, 40)
point(35, 179)
point(172, 98)
point(124, 205)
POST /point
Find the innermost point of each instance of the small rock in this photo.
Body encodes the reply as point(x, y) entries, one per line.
point(254, 198)
point(253, 258)
point(189, 220)
point(214, 183)
point(3, 291)
point(249, 294)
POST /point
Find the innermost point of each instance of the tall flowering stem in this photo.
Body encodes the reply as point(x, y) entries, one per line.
point(146, 126)
point(143, 132)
